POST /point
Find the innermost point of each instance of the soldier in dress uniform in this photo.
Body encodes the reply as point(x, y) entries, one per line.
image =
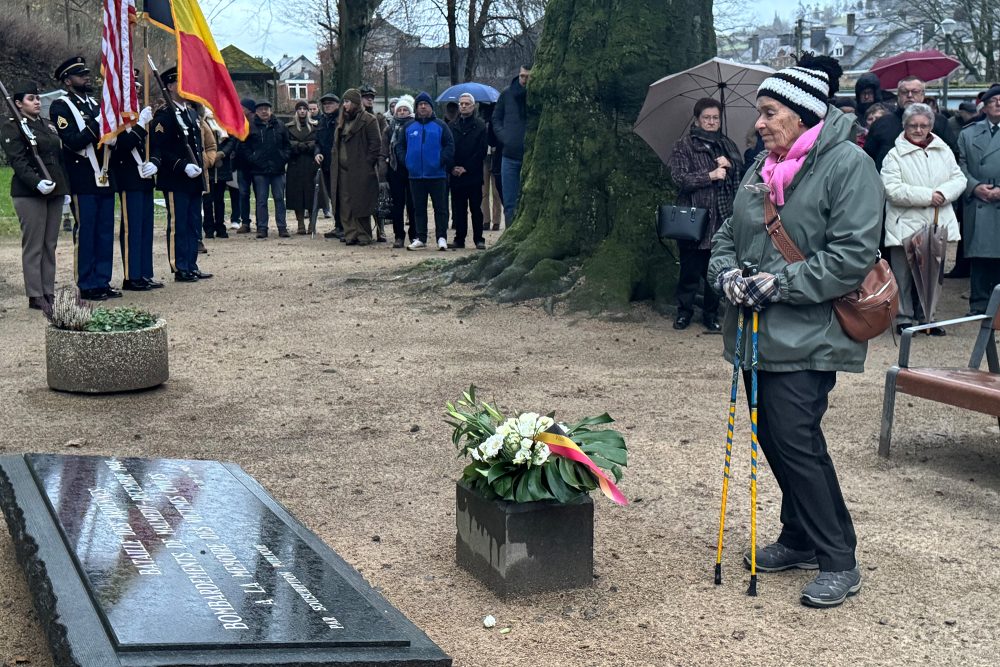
point(91, 181)
point(134, 179)
point(176, 150)
point(37, 191)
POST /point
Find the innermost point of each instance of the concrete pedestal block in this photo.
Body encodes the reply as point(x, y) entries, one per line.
point(97, 362)
point(525, 548)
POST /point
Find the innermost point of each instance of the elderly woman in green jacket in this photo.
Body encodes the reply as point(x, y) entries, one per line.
point(830, 198)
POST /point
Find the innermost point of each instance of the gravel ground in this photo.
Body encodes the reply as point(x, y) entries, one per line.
point(308, 364)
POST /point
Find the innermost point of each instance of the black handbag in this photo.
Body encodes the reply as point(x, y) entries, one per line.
point(681, 223)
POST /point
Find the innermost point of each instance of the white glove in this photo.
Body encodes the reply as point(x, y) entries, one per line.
point(192, 170)
point(45, 186)
point(145, 116)
point(111, 142)
point(147, 170)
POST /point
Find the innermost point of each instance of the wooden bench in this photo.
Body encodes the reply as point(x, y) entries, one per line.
point(970, 388)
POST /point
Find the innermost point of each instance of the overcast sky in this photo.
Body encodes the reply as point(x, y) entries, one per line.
point(268, 28)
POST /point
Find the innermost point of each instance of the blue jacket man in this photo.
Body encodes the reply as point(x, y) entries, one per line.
point(427, 149)
point(510, 126)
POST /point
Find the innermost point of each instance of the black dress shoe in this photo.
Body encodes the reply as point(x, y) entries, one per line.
point(352, 242)
point(112, 293)
point(682, 322)
point(153, 284)
point(209, 235)
point(185, 277)
point(456, 246)
point(37, 302)
point(202, 249)
point(283, 233)
point(222, 235)
point(139, 285)
point(936, 331)
point(201, 275)
point(713, 326)
point(332, 234)
point(93, 295)
point(262, 235)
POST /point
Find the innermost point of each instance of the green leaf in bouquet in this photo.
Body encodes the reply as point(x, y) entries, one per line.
point(559, 488)
point(567, 470)
point(602, 462)
point(591, 421)
point(521, 492)
point(535, 486)
point(503, 485)
point(608, 449)
point(498, 470)
point(471, 472)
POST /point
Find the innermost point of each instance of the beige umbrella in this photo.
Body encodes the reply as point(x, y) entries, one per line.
point(666, 114)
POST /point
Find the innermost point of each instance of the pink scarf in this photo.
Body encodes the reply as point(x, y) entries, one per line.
point(779, 173)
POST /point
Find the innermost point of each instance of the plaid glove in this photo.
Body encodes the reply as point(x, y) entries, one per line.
point(761, 290)
point(734, 286)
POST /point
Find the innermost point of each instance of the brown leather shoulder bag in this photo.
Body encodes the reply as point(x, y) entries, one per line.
point(863, 313)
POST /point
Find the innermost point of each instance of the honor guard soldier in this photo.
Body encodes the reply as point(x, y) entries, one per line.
point(134, 178)
point(39, 184)
point(176, 151)
point(76, 117)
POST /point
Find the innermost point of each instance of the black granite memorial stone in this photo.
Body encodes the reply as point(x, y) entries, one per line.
point(160, 562)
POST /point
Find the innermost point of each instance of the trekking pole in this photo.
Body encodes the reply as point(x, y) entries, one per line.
point(729, 445)
point(752, 590)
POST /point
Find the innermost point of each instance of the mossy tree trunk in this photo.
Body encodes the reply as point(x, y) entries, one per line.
point(590, 186)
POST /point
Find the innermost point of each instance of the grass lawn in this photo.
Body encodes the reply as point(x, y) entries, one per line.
point(8, 219)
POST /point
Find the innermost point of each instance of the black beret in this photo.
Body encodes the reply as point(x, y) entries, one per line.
point(75, 65)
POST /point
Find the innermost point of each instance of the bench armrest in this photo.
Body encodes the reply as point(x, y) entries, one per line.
point(907, 335)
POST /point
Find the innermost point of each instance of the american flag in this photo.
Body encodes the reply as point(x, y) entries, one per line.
point(119, 101)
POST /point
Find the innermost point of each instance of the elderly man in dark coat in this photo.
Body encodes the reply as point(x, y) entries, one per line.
point(354, 161)
point(979, 157)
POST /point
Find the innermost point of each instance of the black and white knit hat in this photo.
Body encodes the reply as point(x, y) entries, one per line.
point(804, 91)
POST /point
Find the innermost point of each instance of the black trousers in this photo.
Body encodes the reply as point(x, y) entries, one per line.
point(214, 210)
point(790, 409)
point(466, 194)
point(694, 269)
point(399, 187)
point(984, 276)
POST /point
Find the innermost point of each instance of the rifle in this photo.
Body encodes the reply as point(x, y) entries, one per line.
point(169, 99)
point(29, 136)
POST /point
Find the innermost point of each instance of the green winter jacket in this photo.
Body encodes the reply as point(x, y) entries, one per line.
point(833, 213)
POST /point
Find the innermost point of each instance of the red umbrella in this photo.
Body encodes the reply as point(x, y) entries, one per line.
point(926, 65)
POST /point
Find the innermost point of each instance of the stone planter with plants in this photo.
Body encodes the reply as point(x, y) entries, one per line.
point(103, 350)
point(524, 515)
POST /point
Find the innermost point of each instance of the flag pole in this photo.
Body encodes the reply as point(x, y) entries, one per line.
point(145, 72)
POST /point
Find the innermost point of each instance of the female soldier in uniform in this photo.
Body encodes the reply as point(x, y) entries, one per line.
point(38, 198)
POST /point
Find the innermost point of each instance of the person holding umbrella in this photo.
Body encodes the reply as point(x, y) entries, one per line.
point(830, 201)
point(921, 179)
point(706, 167)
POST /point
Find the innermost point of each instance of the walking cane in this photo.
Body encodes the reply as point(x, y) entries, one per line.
point(752, 590)
point(729, 445)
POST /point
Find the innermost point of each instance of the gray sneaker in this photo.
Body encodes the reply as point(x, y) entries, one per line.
point(777, 557)
point(829, 589)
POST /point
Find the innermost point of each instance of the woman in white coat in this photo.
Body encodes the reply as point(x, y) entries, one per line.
point(921, 176)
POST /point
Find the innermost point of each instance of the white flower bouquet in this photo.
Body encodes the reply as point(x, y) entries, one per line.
point(532, 457)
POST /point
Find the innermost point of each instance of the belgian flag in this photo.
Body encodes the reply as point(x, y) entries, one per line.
point(201, 72)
